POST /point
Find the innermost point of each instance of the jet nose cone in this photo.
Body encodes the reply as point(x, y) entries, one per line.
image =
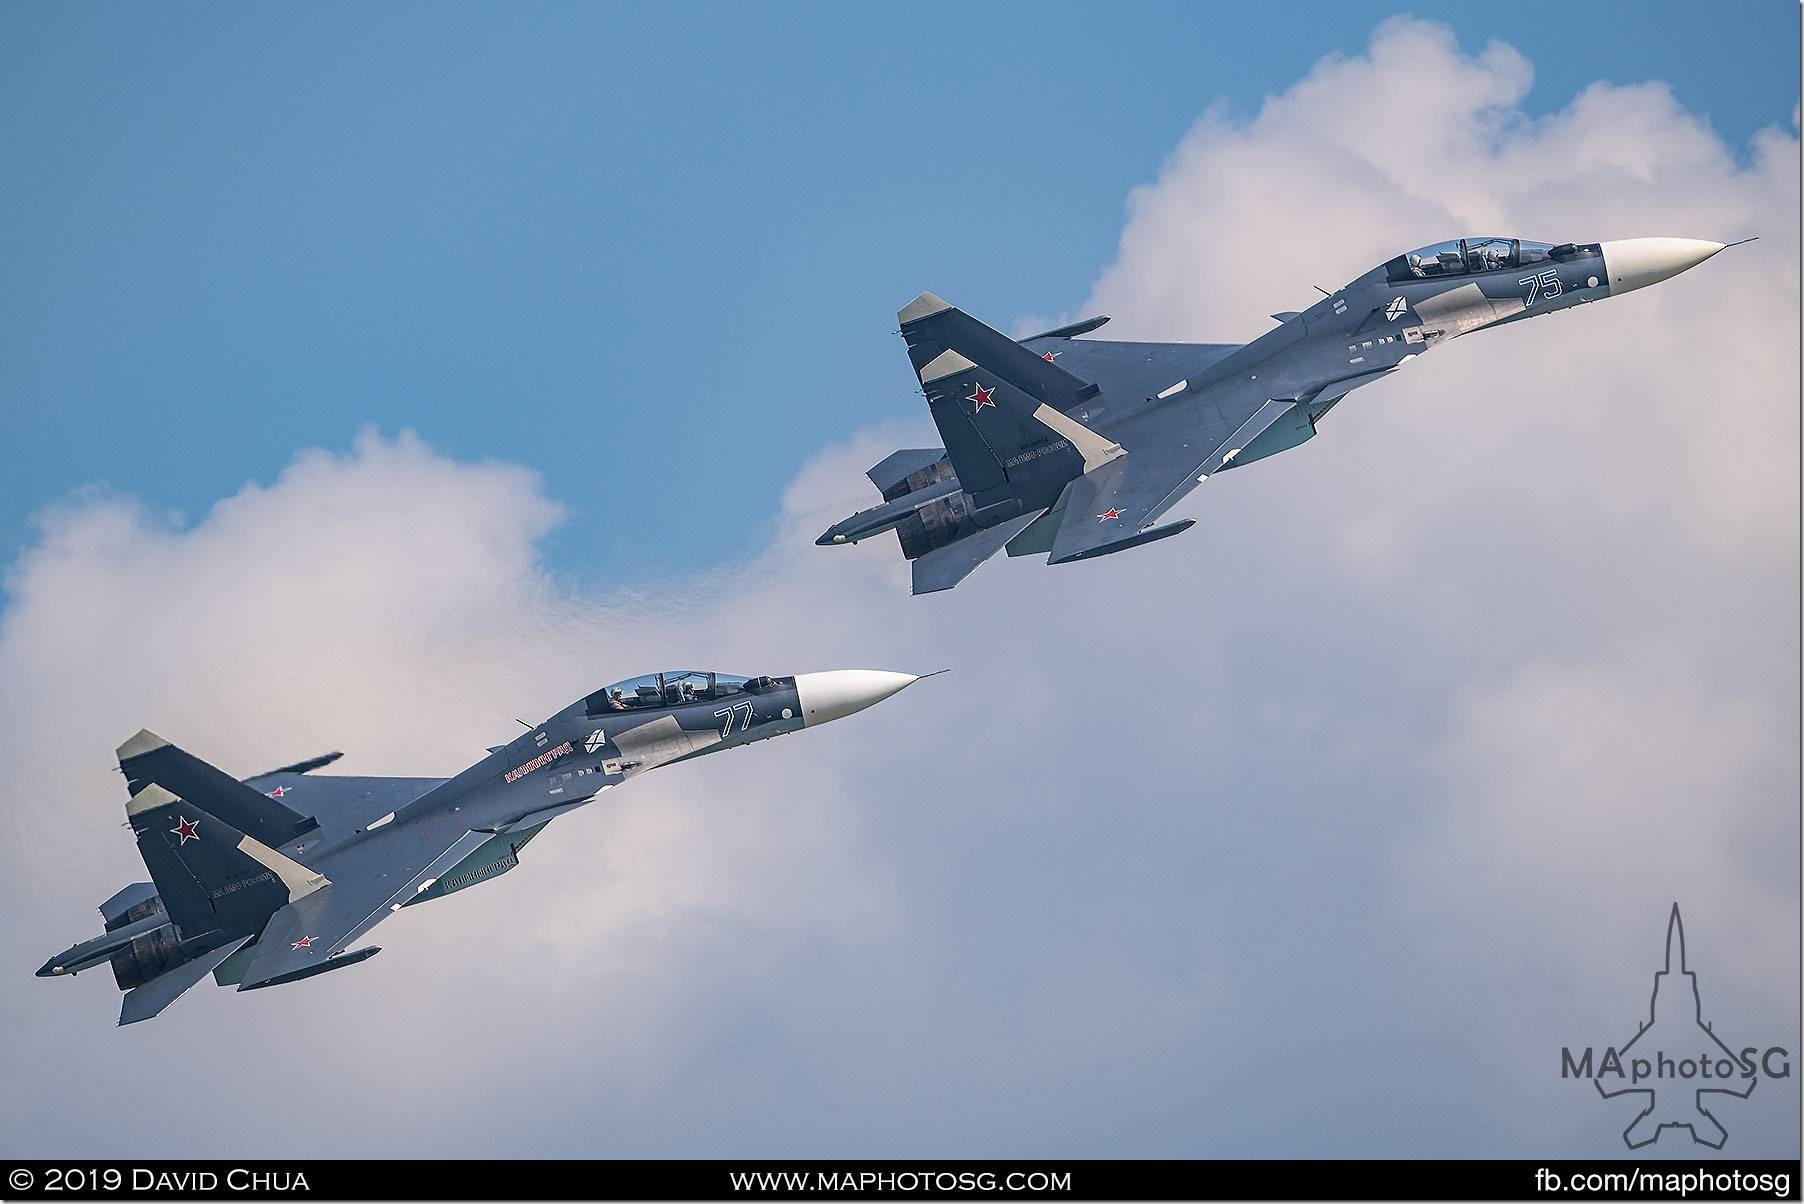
point(1633, 263)
point(825, 697)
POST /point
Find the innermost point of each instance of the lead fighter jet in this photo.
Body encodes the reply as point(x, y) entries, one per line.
point(1076, 448)
point(271, 879)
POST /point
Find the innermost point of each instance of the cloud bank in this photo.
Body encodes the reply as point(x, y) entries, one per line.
point(1374, 788)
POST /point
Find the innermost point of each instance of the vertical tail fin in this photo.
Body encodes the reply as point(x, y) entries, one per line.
point(1001, 410)
point(148, 758)
point(212, 877)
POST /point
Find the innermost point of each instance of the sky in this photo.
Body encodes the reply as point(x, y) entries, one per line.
point(371, 381)
point(626, 245)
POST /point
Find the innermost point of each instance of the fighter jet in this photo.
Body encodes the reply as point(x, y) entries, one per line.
point(1075, 448)
point(273, 878)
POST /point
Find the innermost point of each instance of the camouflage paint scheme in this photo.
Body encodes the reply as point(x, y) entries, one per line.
point(270, 879)
point(1075, 448)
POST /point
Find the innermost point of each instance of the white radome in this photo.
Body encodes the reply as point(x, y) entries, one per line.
point(1633, 263)
point(837, 693)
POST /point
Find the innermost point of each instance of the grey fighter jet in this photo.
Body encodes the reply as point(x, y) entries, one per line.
point(272, 879)
point(1075, 448)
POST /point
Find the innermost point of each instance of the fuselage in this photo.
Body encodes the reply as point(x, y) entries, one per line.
point(599, 741)
point(1358, 334)
point(407, 840)
point(1163, 399)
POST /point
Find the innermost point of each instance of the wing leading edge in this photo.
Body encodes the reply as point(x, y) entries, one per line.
point(1113, 508)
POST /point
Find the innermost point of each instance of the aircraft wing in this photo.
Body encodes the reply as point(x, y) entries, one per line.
point(339, 796)
point(1114, 506)
point(315, 932)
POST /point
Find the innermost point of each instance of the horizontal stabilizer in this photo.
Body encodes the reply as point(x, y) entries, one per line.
point(945, 567)
point(143, 1002)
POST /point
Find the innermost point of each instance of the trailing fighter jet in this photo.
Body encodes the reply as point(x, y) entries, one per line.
point(271, 879)
point(1075, 448)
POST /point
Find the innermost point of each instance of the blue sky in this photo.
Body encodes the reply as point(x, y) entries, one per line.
point(630, 246)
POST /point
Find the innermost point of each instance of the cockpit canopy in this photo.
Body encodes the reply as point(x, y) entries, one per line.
point(672, 688)
point(1467, 256)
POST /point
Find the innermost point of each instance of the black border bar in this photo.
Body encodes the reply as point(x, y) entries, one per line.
point(902, 1179)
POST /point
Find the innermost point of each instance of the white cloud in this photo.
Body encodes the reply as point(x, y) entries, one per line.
point(1594, 518)
point(1390, 764)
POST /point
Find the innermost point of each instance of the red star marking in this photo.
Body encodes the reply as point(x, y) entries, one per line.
point(186, 829)
point(305, 942)
point(278, 792)
point(981, 397)
point(1052, 355)
point(1108, 514)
